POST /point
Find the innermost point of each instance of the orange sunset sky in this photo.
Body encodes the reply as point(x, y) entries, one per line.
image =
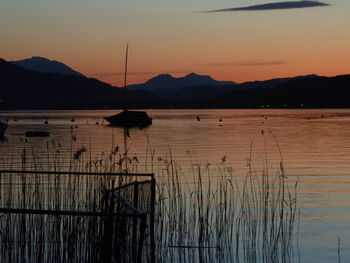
point(176, 37)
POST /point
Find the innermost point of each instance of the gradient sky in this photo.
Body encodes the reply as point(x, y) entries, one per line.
point(172, 37)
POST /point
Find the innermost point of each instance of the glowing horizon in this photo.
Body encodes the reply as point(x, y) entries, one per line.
point(173, 38)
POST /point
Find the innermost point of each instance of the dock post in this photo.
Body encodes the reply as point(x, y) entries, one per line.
point(134, 227)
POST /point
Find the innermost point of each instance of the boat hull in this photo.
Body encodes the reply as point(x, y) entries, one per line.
point(128, 119)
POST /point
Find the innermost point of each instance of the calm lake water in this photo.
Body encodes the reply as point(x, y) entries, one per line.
point(313, 144)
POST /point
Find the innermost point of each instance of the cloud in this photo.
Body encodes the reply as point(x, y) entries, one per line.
point(273, 6)
point(249, 63)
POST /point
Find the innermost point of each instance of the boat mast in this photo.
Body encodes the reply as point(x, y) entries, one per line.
point(126, 129)
point(125, 75)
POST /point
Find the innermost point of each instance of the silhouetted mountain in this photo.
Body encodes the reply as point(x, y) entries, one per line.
point(24, 89)
point(271, 83)
point(194, 86)
point(44, 65)
point(21, 88)
point(210, 91)
point(307, 92)
point(165, 82)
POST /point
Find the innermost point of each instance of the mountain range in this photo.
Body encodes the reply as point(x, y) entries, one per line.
point(44, 65)
point(189, 87)
point(21, 88)
point(168, 82)
point(307, 92)
point(25, 89)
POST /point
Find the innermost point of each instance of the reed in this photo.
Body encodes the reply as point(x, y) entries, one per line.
point(55, 237)
point(224, 219)
point(208, 214)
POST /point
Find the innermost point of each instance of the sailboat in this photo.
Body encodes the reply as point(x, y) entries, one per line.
point(128, 118)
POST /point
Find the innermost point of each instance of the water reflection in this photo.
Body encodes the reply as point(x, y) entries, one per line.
point(314, 145)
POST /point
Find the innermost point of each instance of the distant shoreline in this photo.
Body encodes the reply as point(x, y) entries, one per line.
point(28, 90)
point(185, 108)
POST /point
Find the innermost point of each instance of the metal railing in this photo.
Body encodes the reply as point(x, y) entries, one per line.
point(105, 217)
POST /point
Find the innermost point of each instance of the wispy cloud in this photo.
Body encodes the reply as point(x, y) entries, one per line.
point(249, 63)
point(273, 6)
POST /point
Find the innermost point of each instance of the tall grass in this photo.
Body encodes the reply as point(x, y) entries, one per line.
point(63, 238)
point(224, 219)
point(206, 215)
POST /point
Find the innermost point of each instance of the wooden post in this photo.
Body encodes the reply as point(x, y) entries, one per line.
point(134, 227)
point(153, 200)
point(0, 185)
point(142, 237)
point(108, 228)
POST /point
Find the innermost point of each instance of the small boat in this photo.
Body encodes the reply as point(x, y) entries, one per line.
point(37, 134)
point(3, 127)
point(128, 118)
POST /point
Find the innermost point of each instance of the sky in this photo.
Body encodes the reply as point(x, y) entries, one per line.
point(180, 37)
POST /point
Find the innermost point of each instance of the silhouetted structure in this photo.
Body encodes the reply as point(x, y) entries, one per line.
point(128, 118)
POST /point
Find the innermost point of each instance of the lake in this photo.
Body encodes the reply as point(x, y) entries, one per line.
point(314, 146)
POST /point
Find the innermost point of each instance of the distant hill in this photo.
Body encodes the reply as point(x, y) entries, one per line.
point(193, 86)
point(44, 65)
point(307, 92)
point(271, 83)
point(163, 84)
point(24, 89)
point(188, 88)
